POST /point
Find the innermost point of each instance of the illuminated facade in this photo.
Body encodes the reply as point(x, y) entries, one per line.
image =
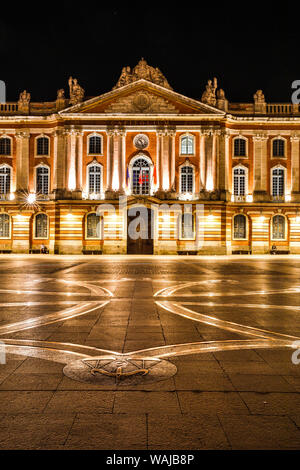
point(235, 164)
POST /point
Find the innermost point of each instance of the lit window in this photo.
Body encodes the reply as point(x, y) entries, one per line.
point(42, 180)
point(187, 145)
point(41, 226)
point(239, 181)
point(278, 182)
point(94, 176)
point(141, 177)
point(278, 227)
point(278, 148)
point(239, 147)
point(42, 146)
point(5, 175)
point(93, 226)
point(186, 179)
point(187, 229)
point(95, 145)
point(239, 226)
point(5, 146)
point(4, 226)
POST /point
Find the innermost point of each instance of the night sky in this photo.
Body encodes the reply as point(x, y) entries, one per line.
point(247, 47)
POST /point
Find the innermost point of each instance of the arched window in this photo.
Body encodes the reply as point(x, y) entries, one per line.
point(186, 179)
point(239, 226)
point(94, 178)
point(93, 226)
point(278, 148)
point(278, 227)
point(187, 226)
point(277, 181)
point(41, 226)
point(42, 146)
point(4, 226)
point(239, 147)
point(187, 145)
point(42, 180)
point(5, 177)
point(95, 145)
point(141, 176)
point(5, 146)
point(239, 181)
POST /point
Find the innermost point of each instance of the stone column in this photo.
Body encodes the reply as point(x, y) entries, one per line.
point(208, 155)
point(59, 163)
point(79, 149)
point(121, 136)
point(160, 136)
point(295, 167)
point(22, 158)
point(115, 161)
point(172, 135)
point(214, 160)
point(202, 162)
point(260, 167)
point(166, 162)
point(109, 160)
point(223, 169)
point(71, 160)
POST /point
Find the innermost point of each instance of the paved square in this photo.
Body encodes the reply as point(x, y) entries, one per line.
point(142, 352)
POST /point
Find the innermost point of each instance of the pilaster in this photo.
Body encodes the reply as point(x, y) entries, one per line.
point(22, 161)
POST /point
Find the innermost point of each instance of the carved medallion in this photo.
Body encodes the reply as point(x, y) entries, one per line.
point(141, 141)
point(141, 101)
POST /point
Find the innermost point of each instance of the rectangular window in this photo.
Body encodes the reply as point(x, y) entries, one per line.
point(278, 182)
point(239, 147)
point(187, 179)
point(4, 180)
point(4, 226)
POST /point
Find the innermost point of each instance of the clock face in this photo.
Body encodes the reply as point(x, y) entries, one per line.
point(141, 141)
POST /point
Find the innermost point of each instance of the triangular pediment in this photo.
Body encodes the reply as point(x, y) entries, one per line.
point(142, 97)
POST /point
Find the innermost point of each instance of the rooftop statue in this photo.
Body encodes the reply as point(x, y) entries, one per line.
point(142, 71)
point(209, 95)
point(76, 91)
point(259, 97)
point(24, 98)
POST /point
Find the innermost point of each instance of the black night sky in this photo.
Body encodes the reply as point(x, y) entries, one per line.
point(247, 46)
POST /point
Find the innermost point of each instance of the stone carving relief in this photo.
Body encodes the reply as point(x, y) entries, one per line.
point(142, 102)
point(142, 71)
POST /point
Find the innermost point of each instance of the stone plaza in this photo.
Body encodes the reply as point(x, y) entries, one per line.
point(149, 352)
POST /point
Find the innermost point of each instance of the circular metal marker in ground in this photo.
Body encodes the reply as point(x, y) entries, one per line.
point(119, 371)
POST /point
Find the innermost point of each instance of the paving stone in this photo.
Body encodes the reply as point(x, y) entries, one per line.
point(81, 401)
point(261, 432)
point(272, 403)
point(140, 402)
point(211, 403)
point(185, 432)
point(39, 431)
point(99, 431)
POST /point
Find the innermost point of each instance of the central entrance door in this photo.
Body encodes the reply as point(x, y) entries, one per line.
point(142, 242)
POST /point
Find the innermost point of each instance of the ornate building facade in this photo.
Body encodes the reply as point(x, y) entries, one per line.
point(236, 165)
